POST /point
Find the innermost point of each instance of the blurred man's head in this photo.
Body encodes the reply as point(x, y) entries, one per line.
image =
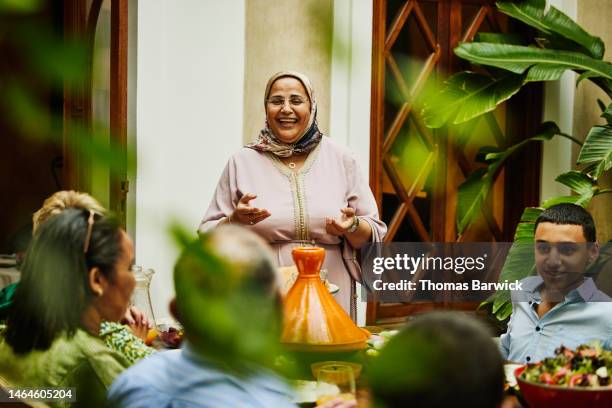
point(439, 360)
point(227, 295)
point(565, 245)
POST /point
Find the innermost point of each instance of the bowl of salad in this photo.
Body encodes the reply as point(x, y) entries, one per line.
point(572, 378)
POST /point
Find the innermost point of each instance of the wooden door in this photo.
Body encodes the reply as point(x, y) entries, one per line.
point(95, 111)
point(415, 171)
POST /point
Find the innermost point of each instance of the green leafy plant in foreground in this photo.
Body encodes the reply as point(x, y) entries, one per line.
point(508, 63)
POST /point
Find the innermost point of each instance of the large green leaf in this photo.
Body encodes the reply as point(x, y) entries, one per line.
point(585, 75)
point(520, 262)
point(500, 38)
point(467, 95)
point(518, 59)
point(550, 72)
point(470, 196)
point(560, 200)
point(597, 148)
point(577, 181)
point(475, 189)
point(607, 113)
point(603, 84)
point(531, 12)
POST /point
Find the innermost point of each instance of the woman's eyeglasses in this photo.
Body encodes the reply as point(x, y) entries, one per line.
point(90, 223)
point(280, 101)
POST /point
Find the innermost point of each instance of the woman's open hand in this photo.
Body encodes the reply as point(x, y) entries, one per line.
point(340, 225)
point(245, 214)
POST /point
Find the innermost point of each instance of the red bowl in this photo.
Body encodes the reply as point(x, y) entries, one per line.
point(556, 396)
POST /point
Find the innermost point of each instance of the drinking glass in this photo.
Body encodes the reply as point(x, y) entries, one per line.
point(335, 381)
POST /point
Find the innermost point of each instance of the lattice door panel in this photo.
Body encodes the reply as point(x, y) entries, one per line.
point(408, 151)
point(415, 172)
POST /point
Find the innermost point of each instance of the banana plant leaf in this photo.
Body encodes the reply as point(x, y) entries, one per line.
point(603, 84)
point(585, 75)
point(597, 148)
point(578, 182)
point(548, 64)
point(501, 38)
point(520, 262)
point(560, 200)
point(467, 95)
point(472, 193)
point(475, 189)
point(531, 12)
point(555, 42)
point(607, 113)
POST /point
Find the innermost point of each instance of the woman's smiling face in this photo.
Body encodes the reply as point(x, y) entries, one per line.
point(287, 109)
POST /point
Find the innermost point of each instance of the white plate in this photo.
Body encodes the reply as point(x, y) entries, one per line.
point(310, 391)
point(509, 370)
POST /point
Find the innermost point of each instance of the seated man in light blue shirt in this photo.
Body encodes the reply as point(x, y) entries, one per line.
point(228, 300)
point(560, 306)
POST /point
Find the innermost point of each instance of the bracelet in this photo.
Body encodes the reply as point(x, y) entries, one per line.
point(355, 225)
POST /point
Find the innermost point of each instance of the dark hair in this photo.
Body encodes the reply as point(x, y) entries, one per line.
point(54, 289)
point(572, 214)
point(436, 361)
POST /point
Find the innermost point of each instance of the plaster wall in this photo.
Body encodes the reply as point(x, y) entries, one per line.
point(594, 16)
point(292, 35)
point(559, 108)
point(189, 90)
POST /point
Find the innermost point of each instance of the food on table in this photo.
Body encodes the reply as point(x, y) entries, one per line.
point(510, 379)
point(346, 396)
point(172, 337)
point(151, 335)
point(377, 341)
point(311, 391)
point(587, 366)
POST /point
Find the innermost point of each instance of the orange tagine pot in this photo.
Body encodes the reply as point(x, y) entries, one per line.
point(314, 321)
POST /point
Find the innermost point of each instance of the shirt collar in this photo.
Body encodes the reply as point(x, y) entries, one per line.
point(585, 292)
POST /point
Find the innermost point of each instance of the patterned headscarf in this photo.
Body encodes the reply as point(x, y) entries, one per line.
point(267, 140)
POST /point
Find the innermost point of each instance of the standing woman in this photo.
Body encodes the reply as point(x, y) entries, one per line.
point(293, 184)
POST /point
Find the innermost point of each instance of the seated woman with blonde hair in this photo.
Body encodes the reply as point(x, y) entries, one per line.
point(75, 275)
point(127, 339)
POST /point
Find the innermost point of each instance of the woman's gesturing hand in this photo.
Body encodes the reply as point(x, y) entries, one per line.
point(245, 214)
point(341, 225)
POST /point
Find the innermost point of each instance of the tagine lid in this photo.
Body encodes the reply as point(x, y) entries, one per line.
point(313, 320)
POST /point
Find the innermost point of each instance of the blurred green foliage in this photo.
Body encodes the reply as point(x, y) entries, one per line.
point(39, 66)
point(226, 314)
point(506, 64)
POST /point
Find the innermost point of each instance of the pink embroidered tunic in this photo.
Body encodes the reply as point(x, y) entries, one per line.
point(299, 203)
